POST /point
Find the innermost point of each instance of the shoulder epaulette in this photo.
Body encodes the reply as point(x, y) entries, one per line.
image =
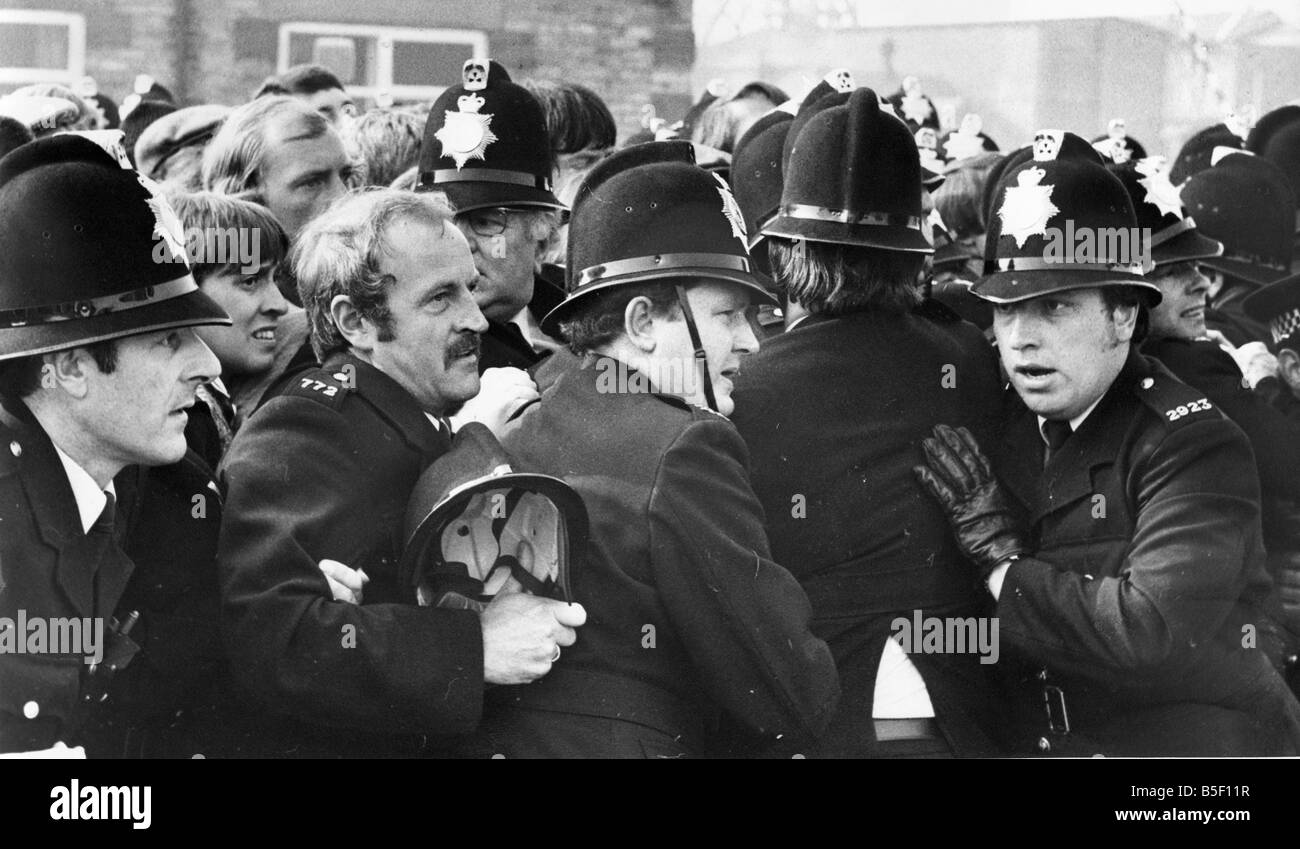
point(325, 386)
point(1173, 401)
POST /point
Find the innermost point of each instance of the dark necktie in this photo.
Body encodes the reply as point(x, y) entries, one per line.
point(100, 536)
point(1055, 433)
point(107, 517)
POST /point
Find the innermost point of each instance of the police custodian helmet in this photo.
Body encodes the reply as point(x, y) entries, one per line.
point(89, 249)
point(649, 213)
point(486, 143)
point(1062, 221)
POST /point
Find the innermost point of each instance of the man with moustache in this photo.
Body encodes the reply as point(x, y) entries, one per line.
point(99, 365)
point(1122, 543)
point(323, 471)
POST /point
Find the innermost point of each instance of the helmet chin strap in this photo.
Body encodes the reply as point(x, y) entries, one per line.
point(701, 360)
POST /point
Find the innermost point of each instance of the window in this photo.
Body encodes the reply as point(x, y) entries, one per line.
point(41, 47)
point(407, 63)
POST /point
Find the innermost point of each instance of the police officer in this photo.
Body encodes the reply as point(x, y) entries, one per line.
point(833, 412)
point(691, 617)
point(1278, 305)
point(1228, 375)
point(1277, 138)
point(322, 473)
point(757, 178)
point(1195, 154)
point(1245, 202)
point(99, 364)
point(486, 148)
point(1123, 544)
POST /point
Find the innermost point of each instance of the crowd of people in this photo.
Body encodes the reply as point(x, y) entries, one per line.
point(795, 428)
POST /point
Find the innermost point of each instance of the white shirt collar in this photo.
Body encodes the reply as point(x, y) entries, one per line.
point(437, 422)
point(90, 498)
point(523, 321)
point(1074, 422)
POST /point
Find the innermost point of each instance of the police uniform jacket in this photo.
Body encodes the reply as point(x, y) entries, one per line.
point(1274, 438)
point(834, 413)
point(1203, 365)
point(1285, 401)
point(175, 699)
point(324, 471)
point(1146, 599)
point(687, 611)
point(49, 569)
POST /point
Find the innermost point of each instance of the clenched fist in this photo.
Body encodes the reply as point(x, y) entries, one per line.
point(522, 634)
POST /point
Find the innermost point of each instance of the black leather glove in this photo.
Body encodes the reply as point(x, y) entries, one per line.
point(960, 477)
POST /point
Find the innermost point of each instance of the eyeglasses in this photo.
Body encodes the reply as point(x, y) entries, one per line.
point(491, 221)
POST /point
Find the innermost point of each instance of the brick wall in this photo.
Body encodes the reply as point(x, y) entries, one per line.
point(632, 52)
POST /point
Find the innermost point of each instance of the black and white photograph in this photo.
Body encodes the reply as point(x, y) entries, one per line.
point(779, 380)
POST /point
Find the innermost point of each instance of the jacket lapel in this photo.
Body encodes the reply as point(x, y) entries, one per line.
point(1020, 458)
point(391, 401)
point(58, 522)
point(1070, 473)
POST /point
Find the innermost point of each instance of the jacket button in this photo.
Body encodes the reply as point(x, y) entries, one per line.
point(31, 710)
point(1044, 745)
point(15, 449)
point(1147, 383)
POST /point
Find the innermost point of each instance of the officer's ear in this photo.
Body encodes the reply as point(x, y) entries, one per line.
point(1125, 316)
point(69, 371)
point(640, 325)
point(359, 331)
point(1288, 367)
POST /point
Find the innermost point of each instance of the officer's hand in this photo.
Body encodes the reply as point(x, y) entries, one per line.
point(960, 477)
point(346, 584)
point(1253, 358)
point(521, 634)
point(502, 391)
point(1255, 362)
